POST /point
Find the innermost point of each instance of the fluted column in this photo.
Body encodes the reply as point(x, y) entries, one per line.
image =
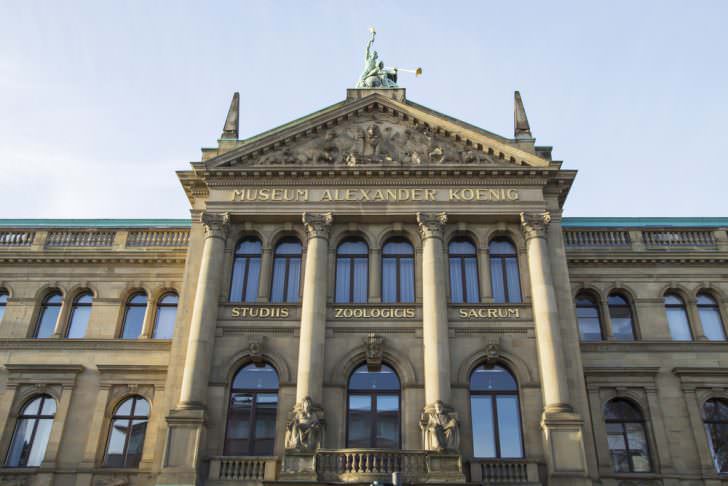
point(545, 314)
point(204, 313)
point(434, 309)
point(313, 310)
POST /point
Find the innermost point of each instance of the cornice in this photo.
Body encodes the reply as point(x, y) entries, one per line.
point(49, 368)
point(649, 259)
point(85, 344)
point(45, 257)
point(655, 346)
point(606, 371)
point(683, 371)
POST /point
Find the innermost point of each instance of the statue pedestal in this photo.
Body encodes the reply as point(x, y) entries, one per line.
point(444, 468)
point(298, 466)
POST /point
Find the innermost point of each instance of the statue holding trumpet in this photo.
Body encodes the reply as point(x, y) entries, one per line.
point(375, 75)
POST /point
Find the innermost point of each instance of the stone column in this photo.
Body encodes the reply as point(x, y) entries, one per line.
point(375, 275)
point(204, 313)
point(545, 314)
point(266, 272)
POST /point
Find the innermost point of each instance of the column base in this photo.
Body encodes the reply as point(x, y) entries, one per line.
point(186, 431)
point(564, 446)
point(298, 466)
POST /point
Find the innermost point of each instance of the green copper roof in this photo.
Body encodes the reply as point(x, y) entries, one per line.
point(185, 223)
point(95, 223)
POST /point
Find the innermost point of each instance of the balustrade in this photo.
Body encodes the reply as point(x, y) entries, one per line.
point(596, 238)
point(231, 468)
point(80, 238)
point(16, 238)
point(163, 238)
point(678, 238)
point(504, 471)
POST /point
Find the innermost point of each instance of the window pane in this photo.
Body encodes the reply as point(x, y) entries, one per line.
point(509, 426)
point(138, 299)
point(501, 246)
point(294, 277)
point(389, 280)
point(481, 408)
point(125, 408)
point(141, 408)
point(387, 403)
point(117, 438)
point(249, 247)
point(587, 314)
point(136, 443)
point(236, 284)
point(622, 410)
point(79, 321)
point(718, 442)
point(407, 280)
point(461, 247)
point(617, 447)
point(47, 322)
point(33, 406)
point(494, 378)
point(384, 379)
point(472, 286)
point(279, 280)
point(712, 323)
point(265, 423)
point(359, 423)
point(343, 279)
point(353, 247)
point(620, 313)
point(20, 447)
point(456, 281)
point(40, 442)
point(164, 325)
point(715, 410)
point(49, 407)
point(361, 280)
point(397, 247)
point(133, 322)
point(252, 377)
point(289, 247)
point(677, 320)
point(638, 447)
point(497, 281)
point(251, 287)
point(514, 284)
point(387, 431)
point(238, 425)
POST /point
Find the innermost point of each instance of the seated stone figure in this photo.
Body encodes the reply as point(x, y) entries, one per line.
point(303, 431)
point(440, 428)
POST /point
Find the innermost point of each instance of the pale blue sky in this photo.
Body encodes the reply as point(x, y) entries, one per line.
point(101, 101)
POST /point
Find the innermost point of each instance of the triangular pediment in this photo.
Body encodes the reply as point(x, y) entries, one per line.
point(375, 131)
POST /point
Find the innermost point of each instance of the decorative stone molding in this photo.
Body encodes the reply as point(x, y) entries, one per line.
point(440, 428)
point(318, 225)
point(255, 345)
point(534, 225)
point(216, 225)
point(492, 352)
point(431, 225)
point(374, 351)
point(304, 430)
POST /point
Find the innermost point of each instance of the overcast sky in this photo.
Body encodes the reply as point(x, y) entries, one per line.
point(101, 101)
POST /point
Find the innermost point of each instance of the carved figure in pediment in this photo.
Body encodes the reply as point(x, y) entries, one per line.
point(329, 148)
point(350, 159)
point(471, 156)
point(372, 138)
point(437, 154)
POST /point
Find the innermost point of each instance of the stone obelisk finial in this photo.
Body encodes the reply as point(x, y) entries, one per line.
point(232, 122)
point(521, 128)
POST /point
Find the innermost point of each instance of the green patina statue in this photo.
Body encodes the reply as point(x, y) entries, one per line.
point(375, 75)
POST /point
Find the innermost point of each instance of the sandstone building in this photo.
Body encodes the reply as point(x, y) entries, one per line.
point(373, 288)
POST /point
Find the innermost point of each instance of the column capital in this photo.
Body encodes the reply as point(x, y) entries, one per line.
point(216, 225)
point(431, 224)
point(534, 225)
point(318, 225)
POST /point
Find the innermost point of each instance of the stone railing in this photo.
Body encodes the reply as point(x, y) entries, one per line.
point(244, 468)
point(164, 238)
point(16, 238)
point(504, 471)
point(80, 238)
point(678, 238)
point(595, 238)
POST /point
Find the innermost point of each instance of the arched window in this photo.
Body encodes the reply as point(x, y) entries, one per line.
point(464, 286)
point(32, 431)
point(715, 418)
point(626, 436)
point(166, 314)
point(620, 317)
point(398, 271)
point(710, 318)
point(3, 302)
point(677, 318)
point(504, 276)
point(251, 422)
point(352, 272)
point(587, 314)
point(286, 271)
point(136, 308)
point(373, 409)
point(49, 311)
point(495, 413)
point(80, 312)
point(126, 437)
point(246, 271)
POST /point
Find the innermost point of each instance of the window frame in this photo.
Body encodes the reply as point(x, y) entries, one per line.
point(129, 418)
point(286, 274)
point(461, 257)
point(44, 305)
point(247, 256)
point(129, 304)
point(502, 257)
point(708, 423)
point(373, 414)
point(163, 305)
point(252, 418)
point(493, 394)
point(627, 305)
point(36, 420)
point(398, 269)
point(4, 302)
point(684, 306)
point(350, 259)
point(714, 306)
point(596, 305)
point(75, 305)
point(645, 430)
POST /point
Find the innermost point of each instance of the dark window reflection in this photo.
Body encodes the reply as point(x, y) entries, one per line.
point(464, 285)
point(352, 272)
point(587, 314)
point(246, 271)
point(504, 276)
point(626, 437)
point(286, 271)
point(251, 421)
point(620, 316)
point(495, 413)
point(126, 437)
point(32, 431)
point(715, 417)
point(398, 271)
point(374, 409)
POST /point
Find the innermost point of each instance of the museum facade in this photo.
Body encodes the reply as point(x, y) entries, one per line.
point(371, 289)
